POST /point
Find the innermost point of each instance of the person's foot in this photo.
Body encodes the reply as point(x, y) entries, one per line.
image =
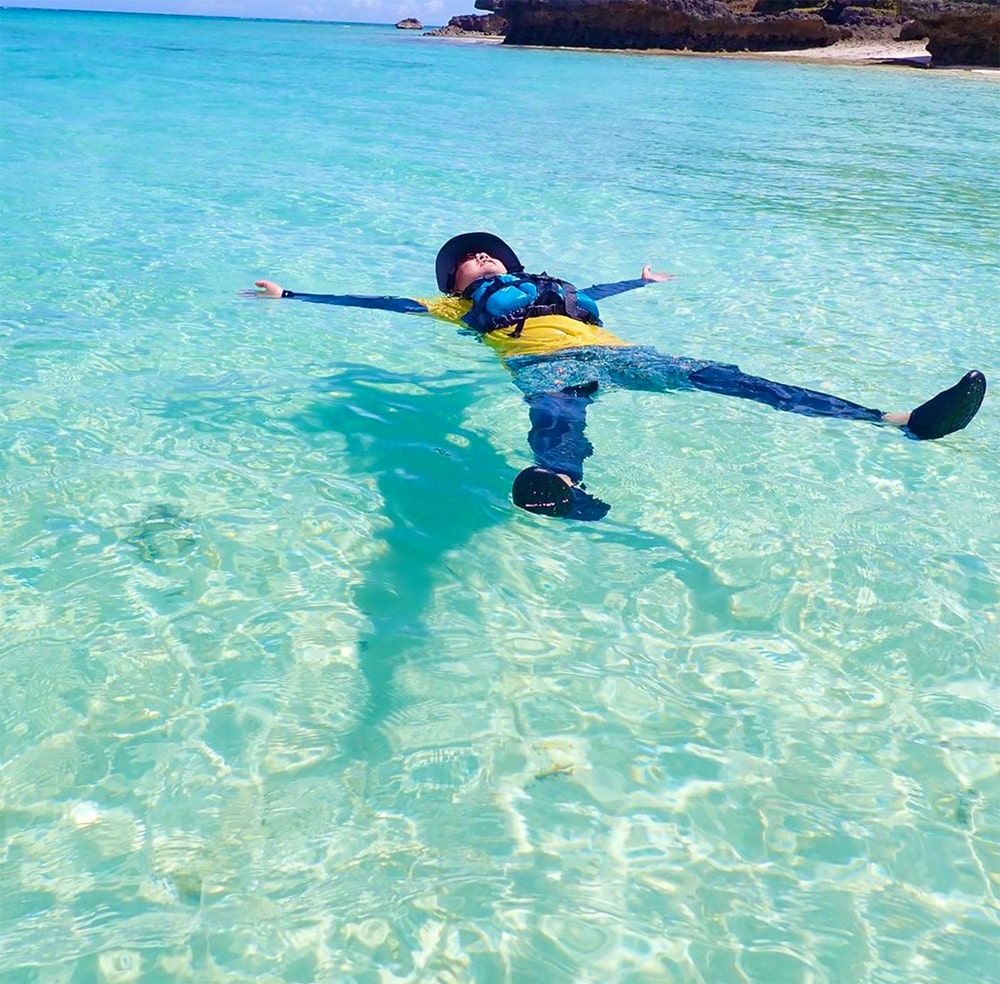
point(547, 493)
point(949, 411)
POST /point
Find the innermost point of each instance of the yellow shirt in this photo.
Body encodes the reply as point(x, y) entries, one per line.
point(549, 333)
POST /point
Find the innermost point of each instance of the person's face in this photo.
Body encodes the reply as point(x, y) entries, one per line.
point(473, 266)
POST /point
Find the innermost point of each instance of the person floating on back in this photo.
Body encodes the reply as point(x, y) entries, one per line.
point(550, 336)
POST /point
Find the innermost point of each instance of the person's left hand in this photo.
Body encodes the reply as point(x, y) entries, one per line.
point(649, 274)
point(268, 288)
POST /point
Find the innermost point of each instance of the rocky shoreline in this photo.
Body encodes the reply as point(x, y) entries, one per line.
point(924, 33)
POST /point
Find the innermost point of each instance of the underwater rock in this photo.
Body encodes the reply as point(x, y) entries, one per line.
point(163, 535)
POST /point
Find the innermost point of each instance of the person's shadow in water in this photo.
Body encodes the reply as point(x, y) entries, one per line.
point(439, 482)
point(443, 484)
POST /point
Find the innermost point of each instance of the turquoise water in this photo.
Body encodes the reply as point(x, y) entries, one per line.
point(289, 692)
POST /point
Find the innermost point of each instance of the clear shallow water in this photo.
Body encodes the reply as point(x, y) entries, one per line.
point(288, 691)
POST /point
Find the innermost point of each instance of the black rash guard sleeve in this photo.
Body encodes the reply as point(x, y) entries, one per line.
point(401, 305)
point(598, 291)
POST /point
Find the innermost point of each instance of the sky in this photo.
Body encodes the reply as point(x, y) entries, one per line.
point(428, 12)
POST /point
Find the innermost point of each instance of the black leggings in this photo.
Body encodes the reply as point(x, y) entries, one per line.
point(558, 417)
point(731, 381)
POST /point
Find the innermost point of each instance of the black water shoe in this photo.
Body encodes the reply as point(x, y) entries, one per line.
point(542, 492)
point(545, 493)
point(950, 410)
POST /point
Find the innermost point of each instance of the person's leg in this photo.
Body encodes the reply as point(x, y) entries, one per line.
point(642, 368)
point(949, 411)
point(556, 437)
point(731, 381)
point(557, 441)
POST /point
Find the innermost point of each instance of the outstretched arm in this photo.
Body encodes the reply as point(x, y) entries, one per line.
point(648, 276)
point(402, 305)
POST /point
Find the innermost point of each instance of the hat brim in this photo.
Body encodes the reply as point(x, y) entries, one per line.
point(472, 242)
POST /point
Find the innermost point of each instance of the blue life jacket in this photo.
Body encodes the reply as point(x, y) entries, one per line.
point(508, 299)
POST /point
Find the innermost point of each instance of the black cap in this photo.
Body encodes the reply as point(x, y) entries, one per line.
point(472, 242)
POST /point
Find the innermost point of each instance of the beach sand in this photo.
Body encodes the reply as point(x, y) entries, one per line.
point(913, 54)
point(901, 52)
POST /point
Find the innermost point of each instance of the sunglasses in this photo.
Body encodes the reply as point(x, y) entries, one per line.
point(470, 256)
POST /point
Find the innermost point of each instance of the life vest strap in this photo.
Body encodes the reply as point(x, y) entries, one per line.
point(552, 296)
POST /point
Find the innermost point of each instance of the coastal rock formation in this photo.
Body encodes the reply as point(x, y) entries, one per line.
point(694, 25)
point(876, 19)
point(957, 33)
point(409, 24)
point(470, 25)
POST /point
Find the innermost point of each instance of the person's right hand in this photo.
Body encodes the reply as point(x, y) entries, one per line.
point(268, 288)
